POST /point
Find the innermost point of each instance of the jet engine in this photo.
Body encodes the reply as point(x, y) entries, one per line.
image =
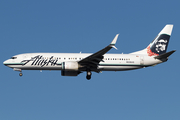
point(70, 69)
point(72, 66)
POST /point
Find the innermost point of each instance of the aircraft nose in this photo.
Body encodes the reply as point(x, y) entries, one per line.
point(5, 62)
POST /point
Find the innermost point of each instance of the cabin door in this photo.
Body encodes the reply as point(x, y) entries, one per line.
point(142, 60)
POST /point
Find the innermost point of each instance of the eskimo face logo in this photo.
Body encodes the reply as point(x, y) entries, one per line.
point(161, 45)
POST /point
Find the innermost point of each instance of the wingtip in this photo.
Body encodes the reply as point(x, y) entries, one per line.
point(115, 39)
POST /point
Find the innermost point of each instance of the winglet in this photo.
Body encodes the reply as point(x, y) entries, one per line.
point(114, 40)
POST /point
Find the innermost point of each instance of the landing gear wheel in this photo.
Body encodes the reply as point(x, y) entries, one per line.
point(88, 77)
point(20, 74)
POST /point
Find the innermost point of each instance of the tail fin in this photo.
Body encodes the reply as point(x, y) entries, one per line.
point(159, 45)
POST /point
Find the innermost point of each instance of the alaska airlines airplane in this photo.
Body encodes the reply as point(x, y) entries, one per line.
point(72, 64)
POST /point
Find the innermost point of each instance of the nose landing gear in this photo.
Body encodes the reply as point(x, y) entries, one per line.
point(17, 69)
point(20, 74)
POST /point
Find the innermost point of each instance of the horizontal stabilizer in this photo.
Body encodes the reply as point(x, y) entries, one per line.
point(165, 55)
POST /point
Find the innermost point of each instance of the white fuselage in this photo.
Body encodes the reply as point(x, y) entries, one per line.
point(72, 64)
point(53, 61)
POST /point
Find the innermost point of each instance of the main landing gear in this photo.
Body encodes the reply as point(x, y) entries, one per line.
point(88, 77)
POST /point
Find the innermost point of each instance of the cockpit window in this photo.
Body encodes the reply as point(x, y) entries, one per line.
point(13, 57)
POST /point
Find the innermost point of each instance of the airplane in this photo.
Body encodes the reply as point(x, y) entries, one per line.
point(72, 64)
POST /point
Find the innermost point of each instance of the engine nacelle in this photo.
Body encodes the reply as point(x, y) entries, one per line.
point(69, 73)
point(70, 66)
point(70, 69)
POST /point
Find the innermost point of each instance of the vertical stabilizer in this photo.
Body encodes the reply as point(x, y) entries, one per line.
point(159, 45)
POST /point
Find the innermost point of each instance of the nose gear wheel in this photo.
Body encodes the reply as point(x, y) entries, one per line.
point(20, 74)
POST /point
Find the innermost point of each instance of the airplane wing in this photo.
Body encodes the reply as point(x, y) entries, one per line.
point(93, 60)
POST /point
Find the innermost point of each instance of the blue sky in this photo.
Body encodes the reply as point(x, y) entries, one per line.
point(88, 26)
